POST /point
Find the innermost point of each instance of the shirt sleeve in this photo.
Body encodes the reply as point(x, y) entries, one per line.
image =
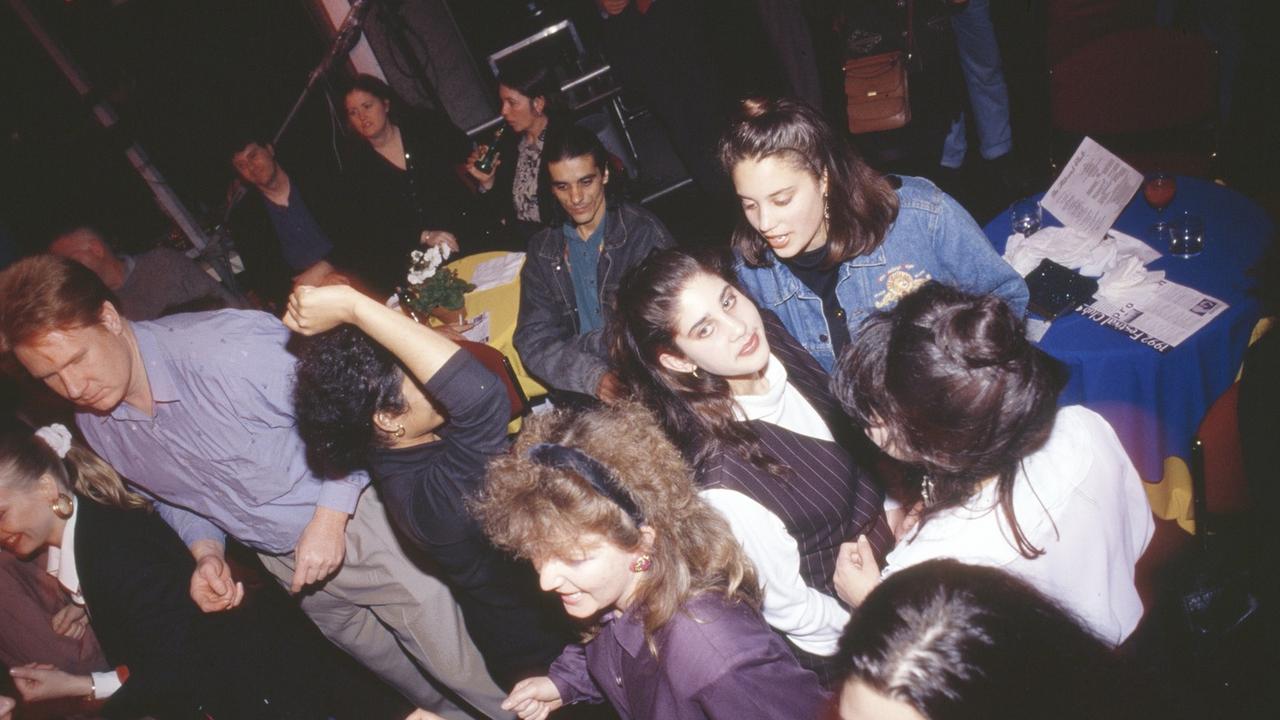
point(189, 526)
point(811, 619)
point(105, 684)
point(972, 264)
point(570, 676)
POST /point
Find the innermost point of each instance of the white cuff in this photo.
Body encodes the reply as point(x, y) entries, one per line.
point(105, 684)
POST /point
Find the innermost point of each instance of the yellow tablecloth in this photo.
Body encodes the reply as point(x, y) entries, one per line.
point(503, 305)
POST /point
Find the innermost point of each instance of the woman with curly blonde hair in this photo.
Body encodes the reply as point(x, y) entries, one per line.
point(606, 510)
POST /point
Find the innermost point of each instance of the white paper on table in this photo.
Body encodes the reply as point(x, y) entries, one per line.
point(1092, 189)
point(1163, 319)
point(1130, 245)
point(498, 271)
point(479, 332)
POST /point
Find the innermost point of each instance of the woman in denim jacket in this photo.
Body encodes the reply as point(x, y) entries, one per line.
point(824, 239)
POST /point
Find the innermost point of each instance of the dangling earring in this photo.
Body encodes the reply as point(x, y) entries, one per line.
point(826, 208)
point(399, 433)
point(62, 507)
point(926, 490)
point(642, 563)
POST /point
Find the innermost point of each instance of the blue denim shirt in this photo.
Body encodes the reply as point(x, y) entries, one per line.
point(933, 238)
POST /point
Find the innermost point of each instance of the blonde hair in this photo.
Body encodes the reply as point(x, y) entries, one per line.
point(539, 511)
point(25, 458)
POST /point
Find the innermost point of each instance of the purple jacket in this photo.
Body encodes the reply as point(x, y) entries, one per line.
point(715, 660)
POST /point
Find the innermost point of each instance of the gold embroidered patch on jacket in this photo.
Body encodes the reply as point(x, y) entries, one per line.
point(899, 281)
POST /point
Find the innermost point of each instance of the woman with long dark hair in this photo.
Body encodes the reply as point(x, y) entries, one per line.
point(947, 383)
point(751, 411)
point(947, 641)
point(824, 239)
point(606, 510)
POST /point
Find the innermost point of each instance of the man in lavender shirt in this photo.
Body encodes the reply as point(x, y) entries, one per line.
point(197, 411)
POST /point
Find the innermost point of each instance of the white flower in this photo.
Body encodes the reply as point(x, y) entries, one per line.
point(417, 277)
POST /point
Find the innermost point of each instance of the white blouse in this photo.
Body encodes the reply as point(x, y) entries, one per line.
point(1080, 500)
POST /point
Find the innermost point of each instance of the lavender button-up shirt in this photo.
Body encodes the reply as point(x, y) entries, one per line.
point(715, 660)
point(221, 454)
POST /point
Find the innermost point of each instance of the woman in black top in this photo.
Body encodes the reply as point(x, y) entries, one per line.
point(513, 188)
point(383, 392)
point(405, 184)
point(132, 574)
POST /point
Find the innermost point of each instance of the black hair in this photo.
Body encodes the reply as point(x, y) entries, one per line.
point(534, 81)
point(961, 393)
point(567, 141)
point(344, 378)
point(958, 641)
point(697, 411)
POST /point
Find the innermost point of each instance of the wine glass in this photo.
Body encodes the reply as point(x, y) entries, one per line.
point(1159, 190)
point(1026, 216)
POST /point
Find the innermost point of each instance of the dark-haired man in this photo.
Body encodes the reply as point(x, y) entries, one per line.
point(287, 232)
point(572, 269)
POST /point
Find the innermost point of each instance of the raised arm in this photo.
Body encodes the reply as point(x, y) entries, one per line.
point(314, 310)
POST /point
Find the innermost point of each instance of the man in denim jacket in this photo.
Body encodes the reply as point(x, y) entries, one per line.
point(572, 269)
point(932, 238)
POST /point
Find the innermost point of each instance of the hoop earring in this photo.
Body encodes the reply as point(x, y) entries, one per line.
point(399, 433)
point(642, 563)
point(62, 506)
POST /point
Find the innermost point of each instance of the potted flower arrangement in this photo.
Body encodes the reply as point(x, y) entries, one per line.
point(433, 290)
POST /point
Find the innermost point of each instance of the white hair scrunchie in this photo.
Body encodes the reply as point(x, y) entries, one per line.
point(56, 436)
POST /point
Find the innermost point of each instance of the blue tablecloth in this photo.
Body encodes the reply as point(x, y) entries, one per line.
point(1155, 401)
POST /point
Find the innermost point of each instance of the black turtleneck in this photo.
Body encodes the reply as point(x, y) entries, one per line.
point(808, 268)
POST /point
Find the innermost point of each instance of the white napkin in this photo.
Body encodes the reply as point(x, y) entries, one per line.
point(498, 271)
point(1118, 260)
point(1128, 282)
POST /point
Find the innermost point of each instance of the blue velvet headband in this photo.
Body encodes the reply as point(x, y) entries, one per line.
point(588, 468)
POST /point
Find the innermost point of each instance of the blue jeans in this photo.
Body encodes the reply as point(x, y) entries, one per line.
point(988, 96)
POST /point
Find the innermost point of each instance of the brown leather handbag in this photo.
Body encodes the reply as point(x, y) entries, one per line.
point(876, 90)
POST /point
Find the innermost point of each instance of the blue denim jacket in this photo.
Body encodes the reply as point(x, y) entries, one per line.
point(933, 238)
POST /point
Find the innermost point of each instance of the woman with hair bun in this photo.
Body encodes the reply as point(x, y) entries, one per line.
point(948, 384)
point(131, 573)
point(824, 240)
point(603, 505)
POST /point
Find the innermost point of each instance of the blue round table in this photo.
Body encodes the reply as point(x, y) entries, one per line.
point(1155, 401)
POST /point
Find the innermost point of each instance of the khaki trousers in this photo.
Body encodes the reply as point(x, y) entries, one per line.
point(397, 620)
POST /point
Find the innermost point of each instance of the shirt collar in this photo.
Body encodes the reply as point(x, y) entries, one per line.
point(62, 559)
point(754, 407)
point(154, 363)
point(628, 630)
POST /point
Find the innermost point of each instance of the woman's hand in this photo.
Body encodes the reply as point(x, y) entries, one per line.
point(857, 572)
point(313, 310)
point(37, 682)
point(533, 698)
point(484, 180)
point(7, 704)
point(71, 621)
point(432, 238)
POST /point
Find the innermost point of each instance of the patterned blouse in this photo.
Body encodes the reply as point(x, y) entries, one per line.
point(524, 189)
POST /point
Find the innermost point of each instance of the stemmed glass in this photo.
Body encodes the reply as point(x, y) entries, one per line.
point(1159, 190)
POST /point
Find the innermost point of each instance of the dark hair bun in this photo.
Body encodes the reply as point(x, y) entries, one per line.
point(983, 334)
